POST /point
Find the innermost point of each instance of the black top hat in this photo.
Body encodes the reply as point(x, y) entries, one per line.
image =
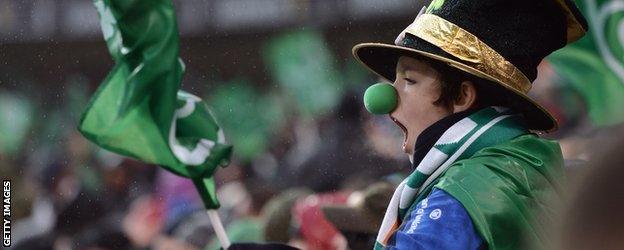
point(501, 41)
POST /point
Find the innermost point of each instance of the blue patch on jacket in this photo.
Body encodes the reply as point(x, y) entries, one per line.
point(437, 222)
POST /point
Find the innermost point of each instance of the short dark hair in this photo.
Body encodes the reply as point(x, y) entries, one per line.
point(450, 86)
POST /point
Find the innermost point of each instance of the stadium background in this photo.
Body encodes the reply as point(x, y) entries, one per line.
point(298, 125)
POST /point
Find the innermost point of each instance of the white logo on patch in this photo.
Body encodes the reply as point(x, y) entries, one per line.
point(435, 214)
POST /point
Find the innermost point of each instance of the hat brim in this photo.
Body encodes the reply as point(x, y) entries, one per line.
point(382, 58)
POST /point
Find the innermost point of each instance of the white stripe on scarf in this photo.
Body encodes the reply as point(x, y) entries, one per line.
point(433, 164)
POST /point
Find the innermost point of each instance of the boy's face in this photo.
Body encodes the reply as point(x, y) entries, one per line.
point(418, 87)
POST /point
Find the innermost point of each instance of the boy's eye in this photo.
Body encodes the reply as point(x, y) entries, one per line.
point(409, 81)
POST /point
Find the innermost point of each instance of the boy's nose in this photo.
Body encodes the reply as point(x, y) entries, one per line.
point(380, 98)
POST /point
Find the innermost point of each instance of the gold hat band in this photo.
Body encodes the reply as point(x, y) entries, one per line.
point(467, 47)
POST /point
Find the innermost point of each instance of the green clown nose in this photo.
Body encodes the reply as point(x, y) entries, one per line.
point(380, 98)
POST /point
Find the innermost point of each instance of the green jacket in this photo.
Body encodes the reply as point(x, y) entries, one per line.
point(504, 188)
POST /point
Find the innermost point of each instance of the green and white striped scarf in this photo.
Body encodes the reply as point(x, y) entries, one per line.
point(486, 127)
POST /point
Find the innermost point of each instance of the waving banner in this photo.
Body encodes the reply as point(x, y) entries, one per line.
point(595, 64)
point(138, 110)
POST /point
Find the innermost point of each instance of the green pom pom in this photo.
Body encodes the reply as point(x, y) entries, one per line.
point(380, 98)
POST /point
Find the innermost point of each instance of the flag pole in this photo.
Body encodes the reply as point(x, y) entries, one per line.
point(205, 187)
point(218, 228)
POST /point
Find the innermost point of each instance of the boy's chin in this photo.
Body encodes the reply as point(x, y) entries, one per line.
point(411, 158)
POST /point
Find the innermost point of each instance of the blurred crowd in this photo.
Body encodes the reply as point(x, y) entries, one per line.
point(77, 196)
point(310, 168)
point(321, 183)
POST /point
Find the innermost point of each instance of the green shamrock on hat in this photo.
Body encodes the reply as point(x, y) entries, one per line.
point(434, 5)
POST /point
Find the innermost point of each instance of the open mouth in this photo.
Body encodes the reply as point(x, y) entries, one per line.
point(398, 123)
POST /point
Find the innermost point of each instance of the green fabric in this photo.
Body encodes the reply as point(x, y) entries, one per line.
point(304, 66)
point(504, 188)
point(250, 118)
point(504, 127)
point(138, 111)
point(484, 128)
point(594, 65)
point(16, 119)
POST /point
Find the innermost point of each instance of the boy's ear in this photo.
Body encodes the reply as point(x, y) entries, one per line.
point(466, 98)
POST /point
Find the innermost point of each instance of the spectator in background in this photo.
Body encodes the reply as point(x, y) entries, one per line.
point(311, 229)
point(360, 218)
point(593, 217)
point(246, 224)
point(339, 156)
point(277, 215)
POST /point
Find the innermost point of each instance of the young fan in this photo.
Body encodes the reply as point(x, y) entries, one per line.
point(461, 73)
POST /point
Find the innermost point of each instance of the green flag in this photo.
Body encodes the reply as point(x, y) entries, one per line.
point(595, 64)
point(138, 111)
point(16, 119)
point(250, 118)
point(304, 66)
